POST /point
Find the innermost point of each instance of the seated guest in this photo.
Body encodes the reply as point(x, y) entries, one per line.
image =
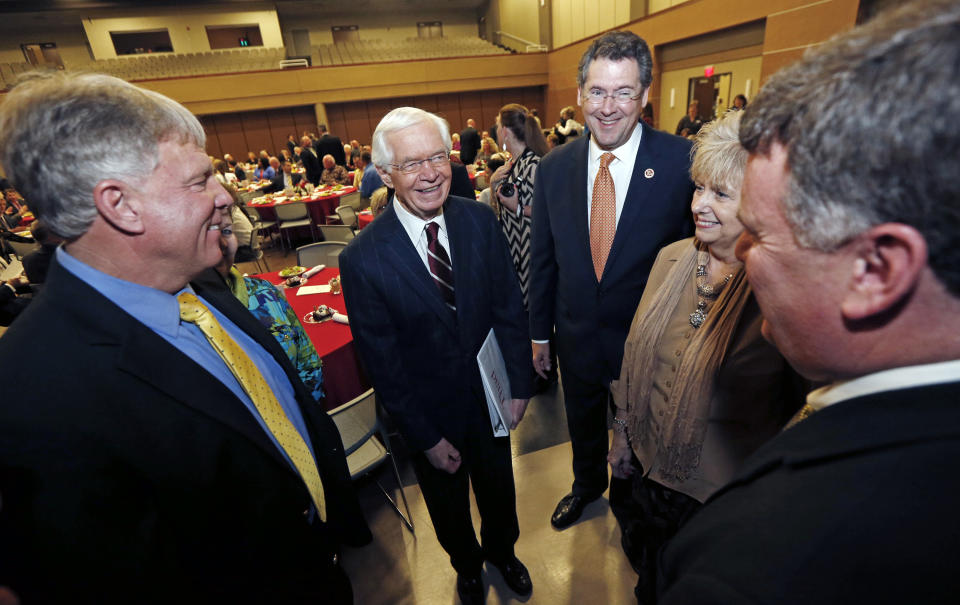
point(370, 181)
point(487, 149)
point(496, 161)
point(36, 263)
point(379, 200)
point(11, 304)
point(284, 179)
point(222, 174)
point(237, 168)
point(296, 154)
point(286, 155)
point(355, 150)
point(698, 392)
point(264, 170)
point(272, 310)
point(567, 127)
point(251, 158)
point(348, 155)
point(691, 123)
point(12, 207)
point(552, 140)
point(455, 138)
point(333, 173)
point(739, 102)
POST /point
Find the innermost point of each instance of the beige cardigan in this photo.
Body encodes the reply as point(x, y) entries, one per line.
point(755, 394)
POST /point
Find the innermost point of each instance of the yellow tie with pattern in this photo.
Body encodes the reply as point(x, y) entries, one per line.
point(252, 381)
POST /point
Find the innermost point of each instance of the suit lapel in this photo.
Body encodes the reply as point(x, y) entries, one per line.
point(400, 252)
point(148, 357)
point(638, 201)
point(577, 169)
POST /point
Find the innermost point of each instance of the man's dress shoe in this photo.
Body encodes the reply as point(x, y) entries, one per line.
point(515, 574)
point(569, 510)
point(470, 589)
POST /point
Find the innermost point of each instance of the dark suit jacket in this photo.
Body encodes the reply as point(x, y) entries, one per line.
point(421, 357)
point(856, 504)
point(592, 318)
point(460, 184)
point(469, 145)
point(312, 167)
point(332, 145)
point(131, 475)
point(276, 183)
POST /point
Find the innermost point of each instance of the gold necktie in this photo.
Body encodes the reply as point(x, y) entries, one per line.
point(252, 381)
point(603, 215)
point(802, 414)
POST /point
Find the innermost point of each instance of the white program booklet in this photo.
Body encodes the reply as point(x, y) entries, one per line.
point(496, 385)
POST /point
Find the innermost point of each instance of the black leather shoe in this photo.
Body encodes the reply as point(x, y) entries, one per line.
point(569, 510)
point(470, 589)
point(515, 574)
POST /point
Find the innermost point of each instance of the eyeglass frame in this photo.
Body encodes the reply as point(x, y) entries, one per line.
point(414, 166)
point(604, 95)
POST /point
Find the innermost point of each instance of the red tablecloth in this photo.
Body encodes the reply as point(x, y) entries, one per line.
point(343, 377)
point(364, 218)
point(321, 204)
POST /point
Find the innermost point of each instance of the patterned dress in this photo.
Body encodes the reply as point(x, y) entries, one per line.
point(515, 225)
point(273, 311)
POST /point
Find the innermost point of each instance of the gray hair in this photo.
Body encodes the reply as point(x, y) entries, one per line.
point(400, 119)
point(61, 134)
point(617, 46)
point(868, 124)
point(718, 156)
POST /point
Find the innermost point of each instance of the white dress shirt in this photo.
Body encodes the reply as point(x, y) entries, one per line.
point(886, 380)
point(621, 169)
point(416, 228)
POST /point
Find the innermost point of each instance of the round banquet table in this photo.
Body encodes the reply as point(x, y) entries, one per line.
point(343, 376)
point(364, 218)
point(321, 203)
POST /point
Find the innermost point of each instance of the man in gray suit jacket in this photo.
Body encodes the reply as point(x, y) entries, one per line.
point(424, 285)
point(137, 465)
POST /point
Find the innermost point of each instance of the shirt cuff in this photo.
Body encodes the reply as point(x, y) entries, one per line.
point(541, 342)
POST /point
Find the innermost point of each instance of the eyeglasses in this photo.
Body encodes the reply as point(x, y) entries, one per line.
point(596, 96)
point(414, 165)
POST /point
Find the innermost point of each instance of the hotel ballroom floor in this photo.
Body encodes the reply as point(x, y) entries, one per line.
point(582, 565)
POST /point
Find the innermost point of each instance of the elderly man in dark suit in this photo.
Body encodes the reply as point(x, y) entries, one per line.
point(424, 285)
point(163, 449)
point(603, 207)
point(851, 247)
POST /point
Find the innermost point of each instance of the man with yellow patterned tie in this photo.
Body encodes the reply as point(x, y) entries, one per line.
point(603, 207)
point(167, 450)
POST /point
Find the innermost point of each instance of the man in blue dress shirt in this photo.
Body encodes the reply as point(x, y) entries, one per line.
point(136, 467)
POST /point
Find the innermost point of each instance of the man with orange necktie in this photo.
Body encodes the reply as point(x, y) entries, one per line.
point(603, 206)
point(166, 450)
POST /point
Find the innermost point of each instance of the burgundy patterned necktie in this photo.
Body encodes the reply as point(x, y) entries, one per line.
point(440, 268)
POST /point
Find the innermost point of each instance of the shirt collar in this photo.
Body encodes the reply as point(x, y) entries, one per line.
point(886, 380)
point(154, 308)
point(627, 150)
point(413, 224)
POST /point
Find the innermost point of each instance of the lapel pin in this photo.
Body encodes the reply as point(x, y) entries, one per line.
point(648, 173)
